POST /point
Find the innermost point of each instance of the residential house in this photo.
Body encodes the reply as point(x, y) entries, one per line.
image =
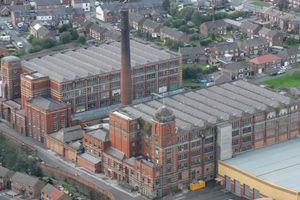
point(290, 56)
point(46, 4)
point(294, 25)
point(49, 192)
point(218, 27)
point(22, 14)
point(136, 20)
point(225, 49)
point(112, 35)
point(4, 11)
point(27, 186)
point(39, 31)
point(190, 55)
point(284, 20)
point(5, 176)
point(151, 27)
point(167, 33)
point(274, 37)
point(97, 32)
point(265, 63)
point(83, 4)
point(237, 70)
point(66, 142)
point(250, 29)
point(254, 46)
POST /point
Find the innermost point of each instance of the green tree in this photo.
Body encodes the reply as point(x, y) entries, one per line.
point(166, 5)
point(74, 33)
point(81, 39)
point(65, 37)
point(283, 4)
point(187, 13)
point(196, 18)
point(65, 27)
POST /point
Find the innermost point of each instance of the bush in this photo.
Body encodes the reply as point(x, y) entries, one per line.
point(205, 42)
point(65, 37)
point(81, 39)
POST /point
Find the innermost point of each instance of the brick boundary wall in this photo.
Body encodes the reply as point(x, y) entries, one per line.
point(61, 173)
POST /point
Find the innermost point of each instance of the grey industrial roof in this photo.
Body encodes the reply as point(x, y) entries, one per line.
point(212, 105)
point(90, 158)
point(115, 153)
point(105, 58)
point(46, 103)
point(24, 179)
point(10, 59)
point(278, 164)
point(69, 134)
point(100, 134)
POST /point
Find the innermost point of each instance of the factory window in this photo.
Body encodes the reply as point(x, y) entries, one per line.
point(92, 81)
point(162, 66)
point(92, 97)
point(182, 166)
point(150, 68)
point(247, 130)
point(79, 84)
point(282, 130)
point(209, 140)
point(196, 143)
point(115, 77)
point(150, 76)
point(235, 142)
point(168, 151)
point(294, 116)
point(163, 73)
point(208, 149)
point(91, 106)
point(115, 84)
point(80, 100)
point(258, 127)
point(293, 126)
point(259, 136)
point(104, 79)
point(247, 139)
point(271, 124)
point(270, 132)
point(209, 159)
point(62, 120)
point(235, 124)
point(259, 118)
point(104, 95)
point(195, 161)
point(235, 133)
point(169, 161)
point(182, 156)
point(283, 112)
point(182, 147)
point(271, 115)
point(196, 153)
point(246, 121)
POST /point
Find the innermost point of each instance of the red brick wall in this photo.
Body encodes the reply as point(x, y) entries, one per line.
point(88, 165)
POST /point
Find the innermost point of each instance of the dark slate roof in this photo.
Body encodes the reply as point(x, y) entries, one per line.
point(115, 153)
point(81, 1)
point(226, 46)
point(236, 66)
point(248, 25)
point(24, 179)
point(4, 171)
point(100, 134)
point(255, 41)
point(172, 32)
point(215, 24)
point(53, 192)
point(47, 2)
point(47, 103)
point(288, 52)
point(191, 50)
point(272, 33)
point(135, 17)
point(151, 24)
point(69, 134)
point(98, 28)
point(264, 31)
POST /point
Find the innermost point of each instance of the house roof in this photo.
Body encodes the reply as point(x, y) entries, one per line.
point(151, 24)
point(4, 171)
point(248, 25)
point(47, 103)
point(47, 2)
point(225, 46)
point(272, 33)
point(172, 32)
point(135, 17)
point(288, 52)
point(24, 179)
point(69, 134)
point(98, 28)
point(191, 50)
point(264, 31)
point(215, 24)
point(52, 192)
point(256, 41)
point(264, 59)
point(236, 66)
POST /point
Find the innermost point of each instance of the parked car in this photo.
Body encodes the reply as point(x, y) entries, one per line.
point(282, 71)
point(20, 44)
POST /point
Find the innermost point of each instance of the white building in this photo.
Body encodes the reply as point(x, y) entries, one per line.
point(84, 4)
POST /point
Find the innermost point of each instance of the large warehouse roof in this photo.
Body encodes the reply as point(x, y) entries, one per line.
point(278, 164)
point(212, 105)
point(82, 62)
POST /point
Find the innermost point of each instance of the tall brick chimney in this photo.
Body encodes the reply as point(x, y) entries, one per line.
point(126, 82)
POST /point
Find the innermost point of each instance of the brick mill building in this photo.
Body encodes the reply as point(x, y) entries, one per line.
point(165, 144)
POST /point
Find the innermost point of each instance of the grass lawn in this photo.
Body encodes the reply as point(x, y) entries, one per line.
point(260, 3)
point(286, 81)
point(189, 83)
point(294, 45)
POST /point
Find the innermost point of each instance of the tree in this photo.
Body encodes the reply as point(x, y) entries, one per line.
point(64, 27)
point(74, 33)
point(81, 39)
point(187, 12)
point(196, 18)
point(283, 4)
point(166, 5)
point(65, 37)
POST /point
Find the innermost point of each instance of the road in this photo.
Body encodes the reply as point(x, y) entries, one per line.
point(15, 36)
point(55, 161)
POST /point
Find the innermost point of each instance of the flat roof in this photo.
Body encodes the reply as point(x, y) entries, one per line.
point(83, 62)
point(212, 105)
point(278, 164)
point(90, 158)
